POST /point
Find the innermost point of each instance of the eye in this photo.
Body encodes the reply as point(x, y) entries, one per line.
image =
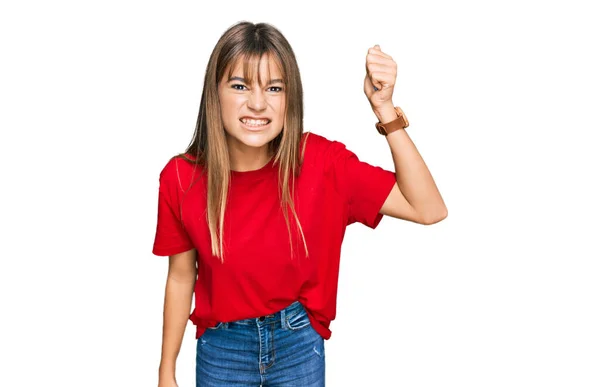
point(235, 86)
point(278, 89)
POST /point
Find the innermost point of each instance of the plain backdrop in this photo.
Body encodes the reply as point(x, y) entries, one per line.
point(502, 99)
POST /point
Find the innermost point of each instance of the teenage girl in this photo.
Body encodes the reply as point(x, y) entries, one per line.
point(252, 215)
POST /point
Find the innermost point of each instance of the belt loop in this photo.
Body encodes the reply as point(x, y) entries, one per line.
point(283, 318)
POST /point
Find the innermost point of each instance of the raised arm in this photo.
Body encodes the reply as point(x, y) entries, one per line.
point(415, 196)
point(179, 290)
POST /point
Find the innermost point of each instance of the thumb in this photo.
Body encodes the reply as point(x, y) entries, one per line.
point(377, 47)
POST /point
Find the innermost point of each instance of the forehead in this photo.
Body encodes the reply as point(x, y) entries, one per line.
point(266, 68)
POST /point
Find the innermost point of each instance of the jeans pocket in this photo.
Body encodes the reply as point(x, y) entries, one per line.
point(319, 347)
point(219, 325)
point(297, 321)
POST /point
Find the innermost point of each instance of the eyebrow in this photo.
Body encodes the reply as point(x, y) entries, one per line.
point(246, 81)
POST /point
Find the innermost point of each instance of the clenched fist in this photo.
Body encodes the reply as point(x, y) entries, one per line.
point(380, 78)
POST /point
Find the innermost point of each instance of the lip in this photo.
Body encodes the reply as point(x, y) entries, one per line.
point(255, 118)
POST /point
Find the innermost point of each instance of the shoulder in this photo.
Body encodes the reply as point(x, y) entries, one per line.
point(319, 147)
point(316, 141)
point(180, 172)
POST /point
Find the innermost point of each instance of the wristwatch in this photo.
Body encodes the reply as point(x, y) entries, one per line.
point(399, 123)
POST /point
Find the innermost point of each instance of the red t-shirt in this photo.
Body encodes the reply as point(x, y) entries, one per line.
point(259, 276)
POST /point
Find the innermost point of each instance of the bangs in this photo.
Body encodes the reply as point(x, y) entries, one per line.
point(251, 64)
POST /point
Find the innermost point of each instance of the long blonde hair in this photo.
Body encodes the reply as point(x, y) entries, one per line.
point(245, 41)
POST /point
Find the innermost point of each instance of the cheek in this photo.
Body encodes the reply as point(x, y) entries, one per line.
point(279, 107)
point(230, 105)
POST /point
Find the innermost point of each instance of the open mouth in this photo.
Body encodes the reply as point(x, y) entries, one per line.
point(254, 123)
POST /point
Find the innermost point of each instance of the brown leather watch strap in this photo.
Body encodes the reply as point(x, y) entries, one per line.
point(399, 123)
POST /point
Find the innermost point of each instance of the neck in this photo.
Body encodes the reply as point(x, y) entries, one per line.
point(248, 158)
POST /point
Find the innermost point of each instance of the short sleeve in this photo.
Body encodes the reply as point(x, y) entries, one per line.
point(171, 237)
point(364, 186)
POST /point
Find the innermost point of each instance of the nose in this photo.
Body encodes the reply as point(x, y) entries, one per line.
point(257, 100)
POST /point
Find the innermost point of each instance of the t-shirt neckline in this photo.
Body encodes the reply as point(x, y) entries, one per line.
point(256, 174)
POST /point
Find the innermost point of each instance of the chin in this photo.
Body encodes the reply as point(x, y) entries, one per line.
point(254, 140)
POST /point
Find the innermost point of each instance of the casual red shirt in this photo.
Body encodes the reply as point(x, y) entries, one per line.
point(259, 276)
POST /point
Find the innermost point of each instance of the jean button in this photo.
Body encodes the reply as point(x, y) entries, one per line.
point(261, 318)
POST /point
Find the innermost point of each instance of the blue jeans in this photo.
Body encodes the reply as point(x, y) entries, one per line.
point(281, 349)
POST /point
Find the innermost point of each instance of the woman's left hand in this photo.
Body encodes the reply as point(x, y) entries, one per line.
point(381, 74)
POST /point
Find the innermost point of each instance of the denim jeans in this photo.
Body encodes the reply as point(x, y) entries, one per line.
point(281, 349)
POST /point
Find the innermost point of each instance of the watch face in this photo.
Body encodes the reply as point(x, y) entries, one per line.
point(404, 122)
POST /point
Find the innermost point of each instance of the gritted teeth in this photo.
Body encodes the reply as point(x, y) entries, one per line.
point(249, 121)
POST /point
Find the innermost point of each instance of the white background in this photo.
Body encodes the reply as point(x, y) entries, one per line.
point(502, 99)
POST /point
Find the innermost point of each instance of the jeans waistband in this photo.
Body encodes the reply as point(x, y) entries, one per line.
point(291, 310)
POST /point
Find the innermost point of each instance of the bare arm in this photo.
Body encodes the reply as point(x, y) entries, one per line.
point(178, 300)
point(415, 196)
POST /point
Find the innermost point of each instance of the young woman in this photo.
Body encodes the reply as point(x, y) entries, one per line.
point(253, 214)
